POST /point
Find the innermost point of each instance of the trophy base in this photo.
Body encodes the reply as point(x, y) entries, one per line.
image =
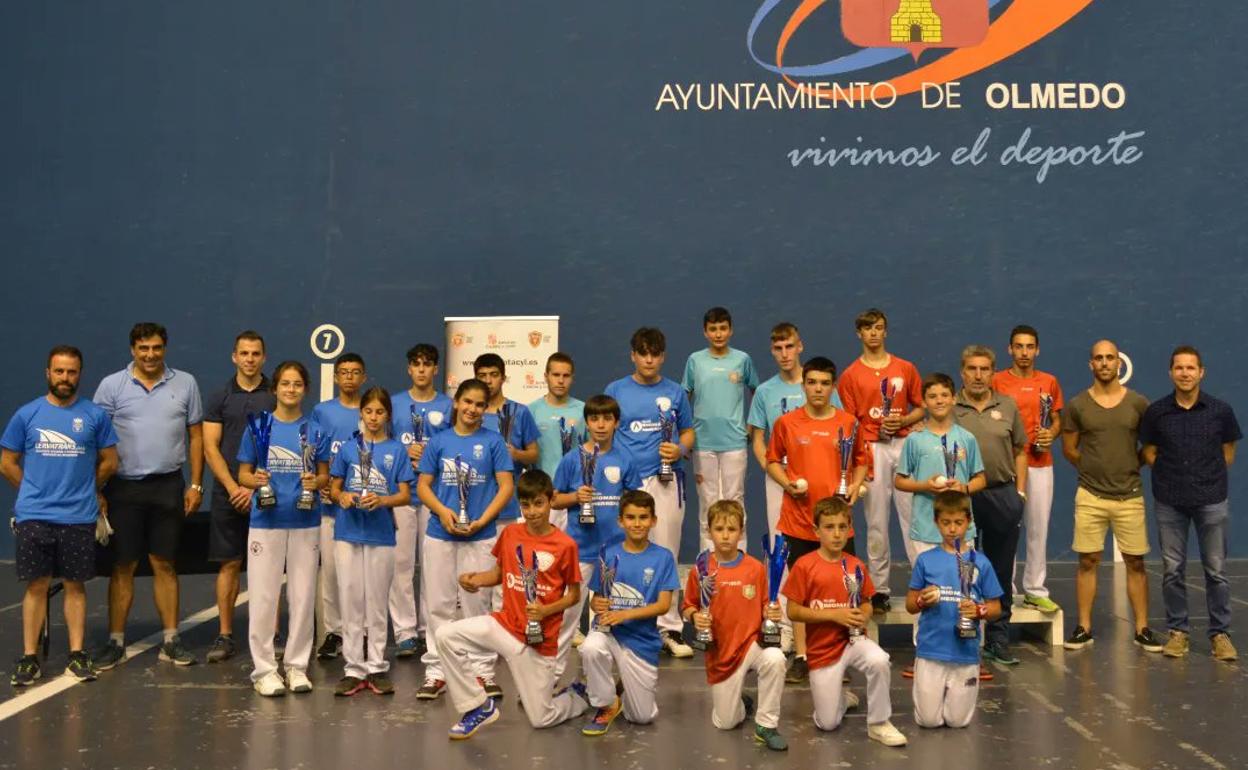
point(533, 635)
point(461, 520)
point(666, 475)
point(968, 632)
point(770, 639)
point(701, 641)
point(265, 498)
point(305, 504)
point(587, 520)
point(854, 635)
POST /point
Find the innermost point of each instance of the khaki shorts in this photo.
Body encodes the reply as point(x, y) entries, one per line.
point(1095, 515)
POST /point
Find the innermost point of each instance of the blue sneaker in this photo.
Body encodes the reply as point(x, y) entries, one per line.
point(407, 648)
point(578, 688)
point(474, 720)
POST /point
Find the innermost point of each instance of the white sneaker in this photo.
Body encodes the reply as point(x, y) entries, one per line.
point(851, 700)
point(270, 685)
point(297, 681)
point(675, 646)
point(886, 734)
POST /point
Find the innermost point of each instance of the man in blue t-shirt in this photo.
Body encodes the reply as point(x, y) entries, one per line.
point(58, 450)
point(647, 399)
point(716, 380)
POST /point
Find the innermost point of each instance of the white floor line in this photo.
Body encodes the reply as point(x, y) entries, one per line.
point(62, 683)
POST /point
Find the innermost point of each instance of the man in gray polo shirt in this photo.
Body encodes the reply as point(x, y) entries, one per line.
point(155, 410)
point(993, 419)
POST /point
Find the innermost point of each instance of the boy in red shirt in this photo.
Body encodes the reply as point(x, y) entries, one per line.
point(735, 618)
point(819, 598)
point(503, 632)
point(808, 438)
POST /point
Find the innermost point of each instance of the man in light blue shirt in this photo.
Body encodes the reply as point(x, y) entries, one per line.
point(560, 421)
point(157, 413)
point(716, 380)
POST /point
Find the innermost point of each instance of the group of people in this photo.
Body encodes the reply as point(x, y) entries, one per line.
point(359, 489)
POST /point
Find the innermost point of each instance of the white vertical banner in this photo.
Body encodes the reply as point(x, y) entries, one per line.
point(524, 342)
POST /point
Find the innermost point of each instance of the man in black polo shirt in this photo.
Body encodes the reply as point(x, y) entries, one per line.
point(1189, 440)
point(994, 420)
point(225, 422)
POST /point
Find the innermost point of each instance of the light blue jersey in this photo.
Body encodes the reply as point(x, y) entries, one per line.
point(922, 458)
point(774, 398)
point(718, 385)
point(550, 442)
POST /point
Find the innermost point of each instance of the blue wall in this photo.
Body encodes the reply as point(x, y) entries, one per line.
point(381, 165)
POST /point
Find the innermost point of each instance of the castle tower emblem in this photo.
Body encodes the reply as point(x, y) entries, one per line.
point(915, 22)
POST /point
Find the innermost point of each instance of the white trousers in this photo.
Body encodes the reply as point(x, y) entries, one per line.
point(462, 642)
point(825, 685)
point(572, 620)
point(670, 513)
point(364, 576)
point(640, 679)
point(720, 476)
point(727, 710)
point(270, 554)
point(885, 455)
point(444, 562)
point(1036, 522)
point(410, 522)
point(944, 693)
point(331, 614)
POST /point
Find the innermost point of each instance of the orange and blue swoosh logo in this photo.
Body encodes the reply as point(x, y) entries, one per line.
point(892, 29)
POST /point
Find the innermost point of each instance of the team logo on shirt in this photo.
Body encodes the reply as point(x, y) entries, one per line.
point(77, 425)
point(435, 418)
point(624, 596)
point(283, 460)
point(827, 604)
point(376, 481)
point(388, 461)
point(478, 451)
point(647, 575)
point(995, 414)
point(54, 444)
point(734, 377)
point(664, 403)
point(612, 473)
point(748, 590)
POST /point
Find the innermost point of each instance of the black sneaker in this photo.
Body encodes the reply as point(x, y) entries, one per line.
point(279, 646)
point(222, 649)
point(174, 652)
point(331, 647)
point(380, 684)
point(1079, 639)
point(1000, 653)
point(1148, 640)
point(798, 673)
point(108, 656)
point(80, 667)
point(748, 702)
point(26, 671)
point(492, 690)
point(880, 604)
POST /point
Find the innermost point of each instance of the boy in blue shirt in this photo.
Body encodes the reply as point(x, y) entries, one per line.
point(559, 417)
point(946, 671)
point(626, 633)
point(645, 397)
point(58, 451)
point(716, 380)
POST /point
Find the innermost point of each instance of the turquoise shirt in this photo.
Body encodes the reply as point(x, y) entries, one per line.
point(549, 444)
point(922, 458)
point(718, 389)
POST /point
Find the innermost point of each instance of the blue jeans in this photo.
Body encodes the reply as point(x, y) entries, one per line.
point(1212, 522)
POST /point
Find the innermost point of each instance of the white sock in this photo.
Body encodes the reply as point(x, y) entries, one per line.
point(119, 638)
point(170, 635)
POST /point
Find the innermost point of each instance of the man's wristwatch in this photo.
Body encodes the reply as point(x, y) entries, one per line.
point(197, 488)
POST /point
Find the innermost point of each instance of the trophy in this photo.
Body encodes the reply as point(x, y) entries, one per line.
point(589, 467)
point(968, 628)
point(463, 482)
point(845, 448)
point(418, 425)
point(366, 461)
point(261, 426)
point(702, 639)
point(307, 454)
point(887, 394)
point(784, 405)
point(667, 428)
point(506, 418)
point(951, 461)
point(533, 634)
point(567, 435)
point(853, 587)
point(606, 581)
point(1046, 419)
point(776, 557)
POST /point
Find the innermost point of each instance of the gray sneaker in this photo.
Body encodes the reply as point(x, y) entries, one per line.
point(108, 656)
point(222, 649)
point(768, 737)
point(173, 652)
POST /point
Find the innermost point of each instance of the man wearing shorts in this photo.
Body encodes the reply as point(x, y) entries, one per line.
point(157, 414)
point(58, 451)
point(1100, 432)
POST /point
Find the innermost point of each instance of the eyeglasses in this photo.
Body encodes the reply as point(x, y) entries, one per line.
point(350, 372)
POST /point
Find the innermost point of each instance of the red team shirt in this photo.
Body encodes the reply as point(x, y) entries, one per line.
point(859, 388)
point(812, 452)
point(819, 584)
point(736, 613)
point(558, 568)
point(1026, 393)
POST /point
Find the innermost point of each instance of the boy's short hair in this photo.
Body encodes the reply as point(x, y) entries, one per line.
point(870, 317)
point(489, 361)
point(716, 315)
point(938, 378)
point(784, 330)
point(647, 339)
point(1024, 329)
point(951, 501)
point(638, 498)
point(831, 506)
point(725, 509)
point(819, 364)
point(423, 352)
point(602, 404)
point(349, 358)
point(559, 357)
point(533, 484)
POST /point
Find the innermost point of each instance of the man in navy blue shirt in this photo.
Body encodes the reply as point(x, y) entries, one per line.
point(1189, 440)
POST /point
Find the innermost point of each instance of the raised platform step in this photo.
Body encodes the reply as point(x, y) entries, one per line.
point(1049, 626)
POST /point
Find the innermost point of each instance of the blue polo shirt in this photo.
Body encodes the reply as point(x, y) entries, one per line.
point(1190, 469)
point(485, 454)
point(151, 424)
point(922, 457)
point(718, 385)
point(389, 469)
point(639, 433)
point(937, 638)
point(338, 424)
point(436, 413)
point(614, 472)
point(550, 443)
point(285, 466)
point(639, 581)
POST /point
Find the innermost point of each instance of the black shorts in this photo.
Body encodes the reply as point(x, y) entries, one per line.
point(146, 515)
point(227, 532)
point(45, 549)
point(799, 547)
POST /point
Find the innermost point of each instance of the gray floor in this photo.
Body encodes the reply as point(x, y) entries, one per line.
point(1110, 706)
